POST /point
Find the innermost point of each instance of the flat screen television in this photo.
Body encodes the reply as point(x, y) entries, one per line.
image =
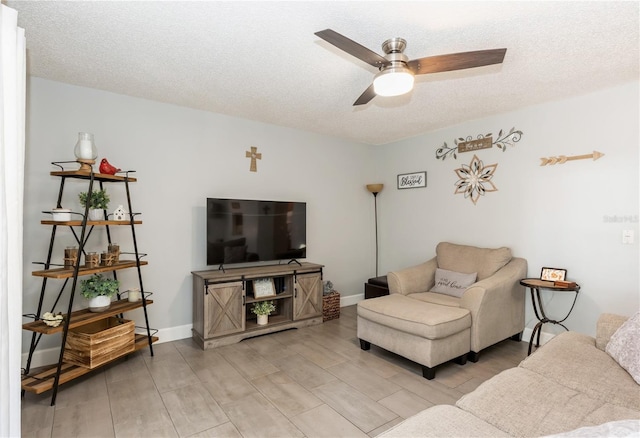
point(244, 230)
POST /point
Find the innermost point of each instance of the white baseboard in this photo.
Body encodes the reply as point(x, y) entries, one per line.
point(42, 357)
point(544, 337)
point(350, 300)
point(174, 333)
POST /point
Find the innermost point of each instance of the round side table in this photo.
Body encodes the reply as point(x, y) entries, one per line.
point(534, 285)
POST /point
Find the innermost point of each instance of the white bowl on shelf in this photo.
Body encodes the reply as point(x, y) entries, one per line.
point(61, 214)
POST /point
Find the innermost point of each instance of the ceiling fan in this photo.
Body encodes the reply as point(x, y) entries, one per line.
point(396, 71)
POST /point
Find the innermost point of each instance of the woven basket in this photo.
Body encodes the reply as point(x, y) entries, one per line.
point(330, 306)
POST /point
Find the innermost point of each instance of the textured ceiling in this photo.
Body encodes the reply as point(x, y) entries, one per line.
point(262, 61)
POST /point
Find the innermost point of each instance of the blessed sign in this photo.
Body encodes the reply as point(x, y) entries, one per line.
point(412, 180)
point(474, 145)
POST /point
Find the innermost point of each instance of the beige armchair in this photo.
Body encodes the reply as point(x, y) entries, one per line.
point(448, 308)
point(496, 300)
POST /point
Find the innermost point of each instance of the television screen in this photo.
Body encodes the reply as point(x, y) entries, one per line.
point(242, 230)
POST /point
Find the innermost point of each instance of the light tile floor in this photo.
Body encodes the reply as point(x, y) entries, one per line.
point(313, 382)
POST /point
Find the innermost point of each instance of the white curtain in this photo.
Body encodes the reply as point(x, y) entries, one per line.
point(12, 133)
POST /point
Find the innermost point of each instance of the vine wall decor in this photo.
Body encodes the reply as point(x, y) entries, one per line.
point(475, 179)
point(480, 142)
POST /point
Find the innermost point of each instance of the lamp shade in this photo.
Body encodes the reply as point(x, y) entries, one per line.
point(375, 188)
point(393, 81)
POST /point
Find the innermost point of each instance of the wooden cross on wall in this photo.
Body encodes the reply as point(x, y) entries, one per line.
point(254, 155)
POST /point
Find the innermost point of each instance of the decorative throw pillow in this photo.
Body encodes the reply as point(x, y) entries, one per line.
point(453, 283)
point(612, 429)
point(624, 346)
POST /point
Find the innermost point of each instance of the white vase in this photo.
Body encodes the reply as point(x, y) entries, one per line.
point(263, 319)
point(99, 303)
point(96, 214)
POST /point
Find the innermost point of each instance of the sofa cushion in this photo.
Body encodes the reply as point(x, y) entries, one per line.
point(434, 298)
point(468, 259)
point(453, 283)
point(443, 421)
point(427, 320)
point(624, 346)
point(524, 403)
point(572, 359)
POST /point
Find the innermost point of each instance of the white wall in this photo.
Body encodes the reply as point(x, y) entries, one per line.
point(556, 216)
point(182, 156)
point(552, 216)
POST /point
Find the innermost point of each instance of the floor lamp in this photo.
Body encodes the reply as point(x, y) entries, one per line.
point(375, 189)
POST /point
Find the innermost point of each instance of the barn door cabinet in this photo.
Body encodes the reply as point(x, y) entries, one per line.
point(307, 302)
point(121, 336)
point(222, 301)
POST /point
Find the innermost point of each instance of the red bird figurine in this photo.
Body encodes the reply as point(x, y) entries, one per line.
point(106, 167)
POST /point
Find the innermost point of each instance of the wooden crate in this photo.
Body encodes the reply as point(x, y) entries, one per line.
point(330, 306)
point(97, 343)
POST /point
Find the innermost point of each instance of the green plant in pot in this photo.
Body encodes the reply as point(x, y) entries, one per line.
point(99, 290)
point(263, 309)
point(99, 200)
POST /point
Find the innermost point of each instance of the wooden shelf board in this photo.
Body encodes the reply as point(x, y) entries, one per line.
point(78, 223)
point(84, 316)
point(60, 273)
point(274, 297)
point(273, 321)
point(43, 380)
point(87, 175)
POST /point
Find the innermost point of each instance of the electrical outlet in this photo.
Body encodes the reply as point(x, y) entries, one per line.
point(627, 237)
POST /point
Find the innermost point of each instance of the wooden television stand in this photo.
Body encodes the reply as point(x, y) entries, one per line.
point(222, 301)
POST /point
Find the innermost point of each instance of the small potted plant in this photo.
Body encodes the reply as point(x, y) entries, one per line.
point(263, 309)
point(99, 290)
point(99, 200)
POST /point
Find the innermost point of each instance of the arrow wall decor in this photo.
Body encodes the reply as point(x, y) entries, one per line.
point(561, 159)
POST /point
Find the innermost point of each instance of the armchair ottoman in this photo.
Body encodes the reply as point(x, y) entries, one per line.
point(452, 306)
point(423, 332)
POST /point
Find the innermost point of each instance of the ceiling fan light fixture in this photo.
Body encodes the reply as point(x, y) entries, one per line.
point(393, 81)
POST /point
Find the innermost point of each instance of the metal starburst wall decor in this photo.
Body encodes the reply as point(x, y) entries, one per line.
point(475, 179)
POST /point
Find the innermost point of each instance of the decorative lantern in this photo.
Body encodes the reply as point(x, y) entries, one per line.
point(85, 151)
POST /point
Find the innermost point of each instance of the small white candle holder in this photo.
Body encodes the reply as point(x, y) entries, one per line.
point(134, 295)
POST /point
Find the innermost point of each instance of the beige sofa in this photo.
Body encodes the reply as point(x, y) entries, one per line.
point(569, 387)
point(420, 321)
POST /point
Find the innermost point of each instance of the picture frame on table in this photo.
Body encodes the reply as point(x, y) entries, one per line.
point(553, 274)
point(263, 288)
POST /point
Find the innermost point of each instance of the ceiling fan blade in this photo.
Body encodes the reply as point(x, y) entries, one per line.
point(456, 61)
point(366, 96)
point(352, 48)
